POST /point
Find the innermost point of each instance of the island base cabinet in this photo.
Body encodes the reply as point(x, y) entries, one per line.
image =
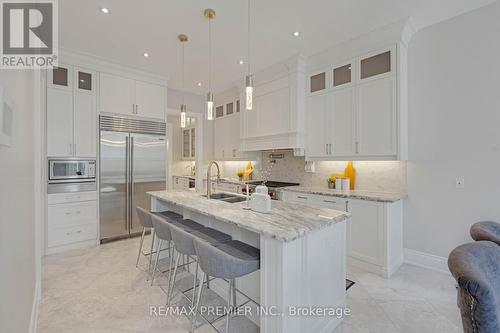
point(308, 272)
point(375, 236)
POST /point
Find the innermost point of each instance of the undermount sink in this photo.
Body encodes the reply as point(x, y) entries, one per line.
point(226, 197)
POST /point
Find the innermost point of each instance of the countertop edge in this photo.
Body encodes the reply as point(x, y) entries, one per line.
point(376, 197)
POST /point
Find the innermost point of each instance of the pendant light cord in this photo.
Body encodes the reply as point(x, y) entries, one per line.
point(248, 46)
point(209, 55)
point(183, 90)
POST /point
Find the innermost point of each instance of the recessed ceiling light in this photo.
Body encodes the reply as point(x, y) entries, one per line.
point(105, 10)
point(240, 62)
point(296, 33)
point(199, 84)
point(146, 55)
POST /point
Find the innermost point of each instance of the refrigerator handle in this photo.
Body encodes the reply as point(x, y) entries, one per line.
point(127, 204)
point(131, 181)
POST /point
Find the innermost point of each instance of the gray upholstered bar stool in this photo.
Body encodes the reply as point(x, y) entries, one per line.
point(183, 244)
point(229, 261)
point(486, 231)
point(161, 223)
point(145, 219)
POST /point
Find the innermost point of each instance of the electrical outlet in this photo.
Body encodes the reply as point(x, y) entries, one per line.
point(460, 182)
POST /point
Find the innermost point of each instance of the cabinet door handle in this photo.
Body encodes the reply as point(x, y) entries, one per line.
point(330, 201)
point(357, 147)
point(137, 109)
point(70, 149)
point(326, 149)
point(303, 198)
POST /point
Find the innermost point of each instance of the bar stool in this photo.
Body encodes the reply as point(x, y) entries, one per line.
point(183, 244)
point(228, 260)
point(147, 223)
point(162, 230)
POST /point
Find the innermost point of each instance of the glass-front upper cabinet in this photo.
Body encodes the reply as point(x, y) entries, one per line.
point(376, 64)
point(60, 77)
point(342, 75)
point(317, 82)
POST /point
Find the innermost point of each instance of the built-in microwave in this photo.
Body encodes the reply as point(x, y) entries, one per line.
point(71, 171)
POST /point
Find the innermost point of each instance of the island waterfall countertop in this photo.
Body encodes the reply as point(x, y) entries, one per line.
point(361, 195)
point(286, 222)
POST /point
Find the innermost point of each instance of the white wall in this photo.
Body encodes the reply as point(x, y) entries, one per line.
point(454, 130)
point(17, 229)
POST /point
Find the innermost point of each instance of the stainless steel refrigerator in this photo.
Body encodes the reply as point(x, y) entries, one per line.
point(132, 162)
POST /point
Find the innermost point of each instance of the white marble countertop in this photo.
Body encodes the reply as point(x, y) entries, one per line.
point(361, 195)
point(286, 222)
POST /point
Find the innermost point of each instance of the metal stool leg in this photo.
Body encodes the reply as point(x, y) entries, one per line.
point(160, 243)
point(233, 282)
point(151, 250)
point(172, 281)
point(194, 284)
point(200, 288)
point(140, 246)
point(229, 305)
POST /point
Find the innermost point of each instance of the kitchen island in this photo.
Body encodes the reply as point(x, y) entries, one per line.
point(303, 256)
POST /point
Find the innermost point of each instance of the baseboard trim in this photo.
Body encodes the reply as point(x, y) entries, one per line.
point(426, 260)
point(34, 308)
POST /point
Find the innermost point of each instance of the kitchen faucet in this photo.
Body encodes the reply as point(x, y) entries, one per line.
point(209, 177)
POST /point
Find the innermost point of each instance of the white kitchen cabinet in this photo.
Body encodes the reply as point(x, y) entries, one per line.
point(72, 115)
point(227, 138)
point(116, 94)
point(374, 231)
point(360, 106)
point(366, 231)
point(149, 100)
point(377, 132)
point(125, 96)
point(72, 218)
point(331, 128)
point(59, 122)
point(85, 113)
point(318, 132)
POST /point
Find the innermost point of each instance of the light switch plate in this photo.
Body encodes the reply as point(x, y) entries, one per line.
point(459, 182)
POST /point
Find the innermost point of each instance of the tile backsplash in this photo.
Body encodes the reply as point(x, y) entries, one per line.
point(380, 176)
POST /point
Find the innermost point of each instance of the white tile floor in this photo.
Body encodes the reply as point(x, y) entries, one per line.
point(100, 290)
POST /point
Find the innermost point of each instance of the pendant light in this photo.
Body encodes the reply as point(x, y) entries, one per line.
point(249, 77)
point(210, 15)
point(183, 39)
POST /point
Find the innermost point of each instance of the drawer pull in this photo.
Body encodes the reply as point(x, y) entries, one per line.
point(68, 213)
point(78, 212)
point(73, 198)
point(79, 232)
point(330, 201)
point(304, 198)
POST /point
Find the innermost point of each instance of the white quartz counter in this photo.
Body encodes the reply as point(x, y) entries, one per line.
point(361, 195)
point(286, 222)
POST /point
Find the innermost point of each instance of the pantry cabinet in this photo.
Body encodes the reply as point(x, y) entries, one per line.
point(71, 112)
point(129, 97)
point(353, 111)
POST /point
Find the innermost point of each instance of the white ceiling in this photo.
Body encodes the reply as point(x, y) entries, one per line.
point(152, 26)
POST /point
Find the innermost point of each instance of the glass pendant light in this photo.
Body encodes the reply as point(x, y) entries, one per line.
point(249, 77)
point(210, 15)
point(183, 39)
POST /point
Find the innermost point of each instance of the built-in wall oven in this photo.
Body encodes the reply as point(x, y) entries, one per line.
point(71, 175)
